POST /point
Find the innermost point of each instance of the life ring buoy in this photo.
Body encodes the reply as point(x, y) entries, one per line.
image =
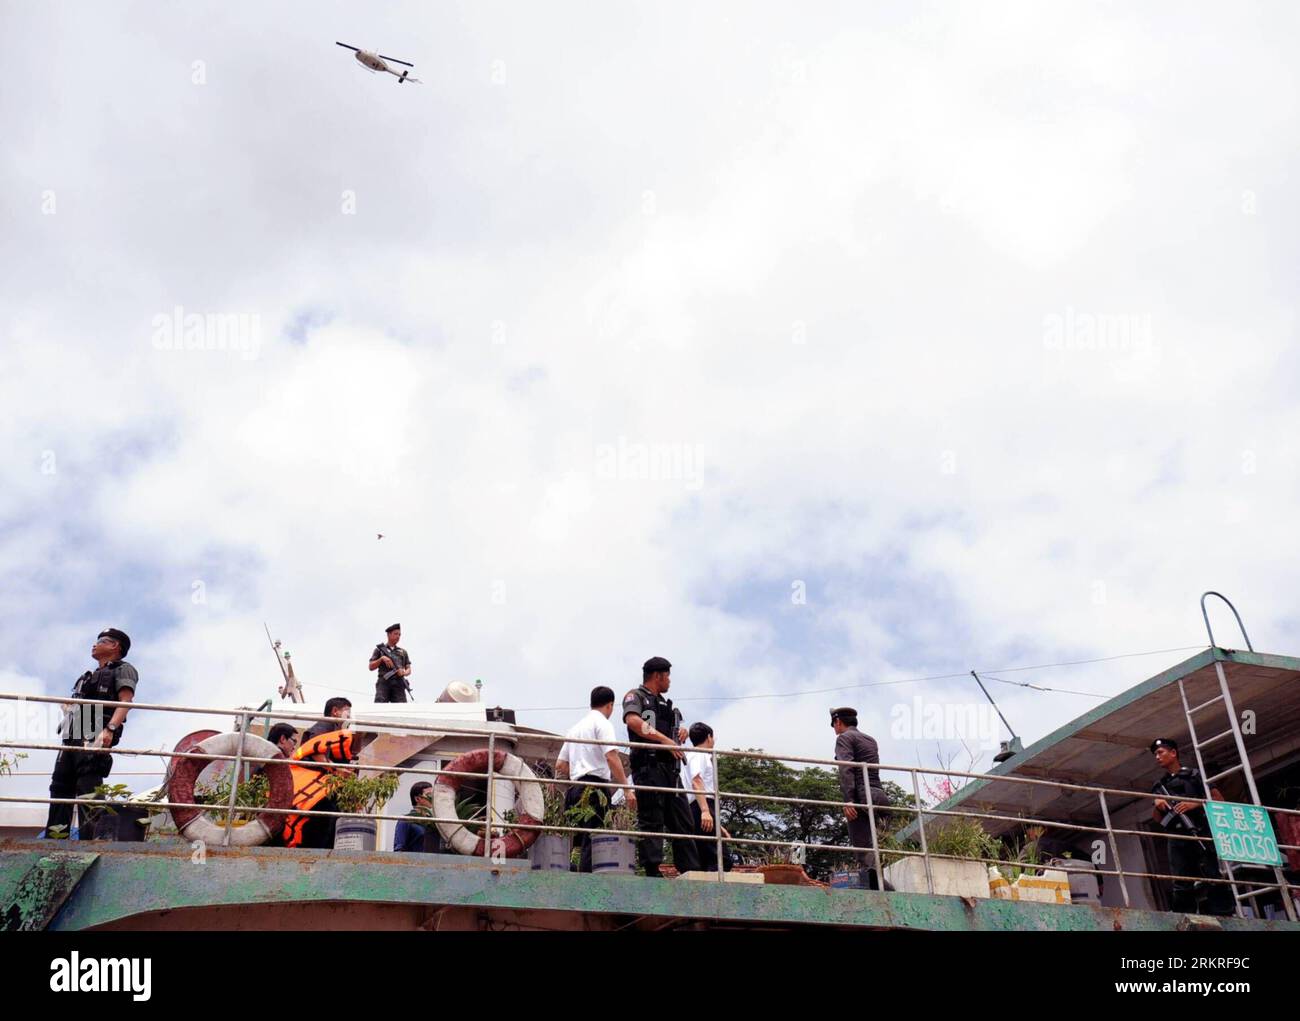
point(529, 803)
point(193, 823)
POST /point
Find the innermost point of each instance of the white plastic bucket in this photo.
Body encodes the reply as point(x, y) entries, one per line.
point(355, 835)
point(613, 855)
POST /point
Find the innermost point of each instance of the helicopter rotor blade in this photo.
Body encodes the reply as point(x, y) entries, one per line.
point(347, 47)
point(396, 61)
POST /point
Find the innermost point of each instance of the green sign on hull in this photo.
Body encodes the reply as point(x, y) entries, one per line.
point(1243, 833)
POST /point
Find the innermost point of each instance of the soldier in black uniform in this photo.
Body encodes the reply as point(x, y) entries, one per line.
point(1187, 818)
point(78, 773)
point(651, 719)
point(394, 666)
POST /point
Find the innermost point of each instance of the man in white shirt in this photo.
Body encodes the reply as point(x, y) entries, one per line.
point(597, 763)
point(697, 778)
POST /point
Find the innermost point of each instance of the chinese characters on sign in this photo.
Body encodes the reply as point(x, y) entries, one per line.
point(1243, 833)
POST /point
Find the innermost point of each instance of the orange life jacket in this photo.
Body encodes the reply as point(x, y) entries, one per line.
point(310, 783)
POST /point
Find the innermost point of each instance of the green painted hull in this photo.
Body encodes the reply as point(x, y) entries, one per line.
point(113, 885)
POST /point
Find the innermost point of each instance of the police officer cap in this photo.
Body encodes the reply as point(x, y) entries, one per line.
point(124, 643)
point(1164, 742)
point(841, 712)
point(391, 628)
point(656, 665)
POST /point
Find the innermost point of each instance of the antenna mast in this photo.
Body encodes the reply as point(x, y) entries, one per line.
point(1009, 748)
point(291, 689)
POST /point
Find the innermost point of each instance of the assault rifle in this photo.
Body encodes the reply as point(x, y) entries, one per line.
point(1171, 816)
point(384, 650)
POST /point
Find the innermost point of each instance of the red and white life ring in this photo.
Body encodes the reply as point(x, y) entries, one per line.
point(529, 804)
point(194, 824)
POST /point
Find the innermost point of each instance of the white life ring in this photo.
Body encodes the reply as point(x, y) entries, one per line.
point(194, 824)
point(529, 803)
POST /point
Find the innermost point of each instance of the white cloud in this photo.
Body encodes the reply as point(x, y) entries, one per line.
point(819, 257)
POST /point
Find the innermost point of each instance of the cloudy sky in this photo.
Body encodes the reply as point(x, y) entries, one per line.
point(811, 350)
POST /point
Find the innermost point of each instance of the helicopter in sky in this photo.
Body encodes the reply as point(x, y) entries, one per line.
point(376, 62)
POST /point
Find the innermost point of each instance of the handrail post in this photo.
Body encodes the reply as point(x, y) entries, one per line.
point(920, 825)
point(234, 780)
point(1206, 615)
point(717, 816)
point(1114, 847)
point(871, 820)
point(491, 795)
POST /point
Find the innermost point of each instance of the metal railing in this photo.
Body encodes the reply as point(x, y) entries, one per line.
point(869, 857)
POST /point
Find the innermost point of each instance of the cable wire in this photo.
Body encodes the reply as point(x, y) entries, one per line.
point(876, 684)
point(919, 680)
point(1039, 687)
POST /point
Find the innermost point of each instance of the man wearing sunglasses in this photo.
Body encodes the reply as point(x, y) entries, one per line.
point(78, 772)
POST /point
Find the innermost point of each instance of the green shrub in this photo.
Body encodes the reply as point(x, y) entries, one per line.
point(361, 794)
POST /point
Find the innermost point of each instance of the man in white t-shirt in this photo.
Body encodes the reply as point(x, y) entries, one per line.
point(596, 763)
point(697, 779)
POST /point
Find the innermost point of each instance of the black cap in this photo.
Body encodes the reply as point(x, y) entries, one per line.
point(656, 665)
point(392, 627)
point(124, 643)
point(1164, 742)
point(843, 711)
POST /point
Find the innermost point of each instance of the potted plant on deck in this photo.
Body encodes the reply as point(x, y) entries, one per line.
point(784, 866)
point(551, 851)
point(1029, 880)
point(956, 846)
point(362, 795)
point(614, 854)
point(253, 792)
point(116, 820)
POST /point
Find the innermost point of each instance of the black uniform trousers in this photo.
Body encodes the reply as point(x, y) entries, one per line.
point(860, 836)
point(708, 850)
point(660, 812)
point(391, 690)
point(76, 775)
point(599, 802)
point(1197, 860)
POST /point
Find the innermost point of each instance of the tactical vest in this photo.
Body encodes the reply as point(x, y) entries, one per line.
point(84, 722)
point(401, 660)
point(664, 721)
point(1187, 783)
point(310, 784)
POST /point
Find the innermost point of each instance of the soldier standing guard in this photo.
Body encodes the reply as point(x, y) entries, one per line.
point(1191, 860)
point(77, 773)
point(651, 719)
point(394, 666)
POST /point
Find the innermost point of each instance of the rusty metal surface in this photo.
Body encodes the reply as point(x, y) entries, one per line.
point(131, 880)
point(36, 886)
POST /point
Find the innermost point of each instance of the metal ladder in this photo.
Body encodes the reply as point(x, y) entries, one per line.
point(1229, 869)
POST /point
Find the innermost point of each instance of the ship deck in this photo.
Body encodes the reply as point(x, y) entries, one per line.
point(167, 886)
